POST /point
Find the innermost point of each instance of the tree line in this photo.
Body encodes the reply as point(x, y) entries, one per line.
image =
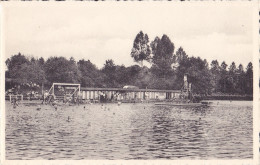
point(166, 72)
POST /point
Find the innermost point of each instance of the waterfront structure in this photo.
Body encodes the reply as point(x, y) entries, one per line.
point(128, 94)
point(132, 93)
point(70, 91)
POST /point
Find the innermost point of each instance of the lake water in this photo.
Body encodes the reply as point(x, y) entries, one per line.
point(130, 131)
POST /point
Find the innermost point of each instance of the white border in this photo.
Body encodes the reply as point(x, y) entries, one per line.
point(254, 161)
point(255, 62)
point(2, 85)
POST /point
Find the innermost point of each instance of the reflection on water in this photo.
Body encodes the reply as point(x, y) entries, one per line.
point(130, 131)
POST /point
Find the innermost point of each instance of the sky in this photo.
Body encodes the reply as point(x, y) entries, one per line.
point(99, 31)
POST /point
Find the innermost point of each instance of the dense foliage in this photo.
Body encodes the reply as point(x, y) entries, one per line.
point(166, 71)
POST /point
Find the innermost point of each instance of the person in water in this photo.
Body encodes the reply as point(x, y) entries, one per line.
point(45, 97)
point(79, 98)
point(14, 101)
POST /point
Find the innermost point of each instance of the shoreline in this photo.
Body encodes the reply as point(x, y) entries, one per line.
point(38, 102)
point(231, 97)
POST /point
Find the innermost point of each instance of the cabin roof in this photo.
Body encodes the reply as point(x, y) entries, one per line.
point(130, 90)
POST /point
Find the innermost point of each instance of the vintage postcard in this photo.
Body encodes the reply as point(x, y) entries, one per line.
point(129, 83)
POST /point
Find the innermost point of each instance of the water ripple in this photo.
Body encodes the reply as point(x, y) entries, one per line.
point(130, 131)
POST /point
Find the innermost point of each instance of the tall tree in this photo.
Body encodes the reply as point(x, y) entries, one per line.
point(240, 80)
point(240, 68)
point(215, 71)
point(199, 76)
point(33, 60)
point(141, 49)
point(214, 66)
point(249, 78)
point(231, 79)
point(41, 61)
point(223, 66)
point(223, 83)
point(180, 55)
point(232, 68)
point(162, 50)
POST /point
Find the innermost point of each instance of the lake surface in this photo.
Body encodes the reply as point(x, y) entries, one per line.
point(130, 131)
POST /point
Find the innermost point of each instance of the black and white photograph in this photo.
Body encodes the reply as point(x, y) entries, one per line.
point(128, 81)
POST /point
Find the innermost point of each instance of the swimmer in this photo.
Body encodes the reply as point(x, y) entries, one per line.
point(119, 103)
point(68, 120)
point(56, 107)
point(38, 108)
point(14, 101)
